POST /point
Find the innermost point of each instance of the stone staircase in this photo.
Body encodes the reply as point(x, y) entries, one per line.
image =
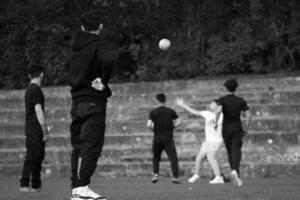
point(272, 147)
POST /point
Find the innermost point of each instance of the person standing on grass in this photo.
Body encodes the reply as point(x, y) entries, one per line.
point(36, 131)
point(89, 70)
point(162, 121)
point(213, 139)
point(233, 131)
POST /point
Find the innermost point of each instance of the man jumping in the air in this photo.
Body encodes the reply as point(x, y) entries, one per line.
point(89, 71)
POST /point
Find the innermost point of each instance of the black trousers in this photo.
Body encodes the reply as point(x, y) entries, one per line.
point(35, 155)
point(164, 144)
point(233, 140)
point(87, 138)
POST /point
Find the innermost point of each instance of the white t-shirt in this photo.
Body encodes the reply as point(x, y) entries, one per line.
point(213, 129)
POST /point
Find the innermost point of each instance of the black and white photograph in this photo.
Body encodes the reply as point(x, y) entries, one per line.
point(150, 99)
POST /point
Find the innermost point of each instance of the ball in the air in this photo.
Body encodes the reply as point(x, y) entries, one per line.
point(270, 141)
point(164, 44)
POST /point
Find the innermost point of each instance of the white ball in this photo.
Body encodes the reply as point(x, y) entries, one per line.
point(48, 172)
point(270, 141)
point(164, 44)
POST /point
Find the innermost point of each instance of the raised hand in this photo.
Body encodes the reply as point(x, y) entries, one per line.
point(180, 102)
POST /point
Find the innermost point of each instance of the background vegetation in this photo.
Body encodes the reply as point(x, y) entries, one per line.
point(209, 37)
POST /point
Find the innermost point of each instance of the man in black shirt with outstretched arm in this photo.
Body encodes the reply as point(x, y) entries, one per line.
point(162, 121)
point(233, 131)
point(89, 71)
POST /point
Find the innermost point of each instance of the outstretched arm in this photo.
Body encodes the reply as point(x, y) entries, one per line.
point(181, 103)
point(248, 120)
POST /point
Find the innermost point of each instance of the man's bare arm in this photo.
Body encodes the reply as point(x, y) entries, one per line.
point(41, 119)
point(248, 120)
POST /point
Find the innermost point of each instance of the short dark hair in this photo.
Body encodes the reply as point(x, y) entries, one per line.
point(34, 70)
point(231, 85)
point(90, 20)
point(161, 97)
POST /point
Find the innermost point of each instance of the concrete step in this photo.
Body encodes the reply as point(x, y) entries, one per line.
point(281, 138)
point(247, 169)
point(250, 153)
point(266, 124)
point(140, 154)
point(148, 99)
point(133, 114)
point(249, 83)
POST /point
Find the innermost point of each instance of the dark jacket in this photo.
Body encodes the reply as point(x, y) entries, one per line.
point(90, 58)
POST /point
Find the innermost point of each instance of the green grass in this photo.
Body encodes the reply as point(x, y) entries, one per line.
point(142, 189)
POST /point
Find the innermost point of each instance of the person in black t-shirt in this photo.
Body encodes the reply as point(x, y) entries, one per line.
point(162, 121)
point(35, 130)
point(233, 131)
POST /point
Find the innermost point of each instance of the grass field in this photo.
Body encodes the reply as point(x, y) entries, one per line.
point(142, 189)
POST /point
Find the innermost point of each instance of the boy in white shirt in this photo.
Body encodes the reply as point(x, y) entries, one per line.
point(213, 139)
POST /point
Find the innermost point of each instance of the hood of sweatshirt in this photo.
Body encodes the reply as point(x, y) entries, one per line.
point(83, 39)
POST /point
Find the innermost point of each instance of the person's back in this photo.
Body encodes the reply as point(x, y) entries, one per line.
point(91, 58)
point(162, 118)
point(162, 121)
point(35, 130)
point(33, 96)
point(232, 108)
point(232, 130)
point(89, 71)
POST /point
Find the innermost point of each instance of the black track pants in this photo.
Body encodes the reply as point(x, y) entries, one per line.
point(233, 140)
point(167, 145)
point(87, 138)
point(35, 155)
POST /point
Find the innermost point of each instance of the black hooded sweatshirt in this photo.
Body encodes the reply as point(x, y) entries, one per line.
point(90, 58)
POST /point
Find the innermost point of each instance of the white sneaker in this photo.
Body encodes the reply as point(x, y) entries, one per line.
point(217, 180)
point(155, 178)
point(85, 193)
point(235, 178)
point(36, 189)
point(194, 178)
point(25, 189)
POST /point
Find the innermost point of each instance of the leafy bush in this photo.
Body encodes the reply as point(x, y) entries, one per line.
point(208, 37)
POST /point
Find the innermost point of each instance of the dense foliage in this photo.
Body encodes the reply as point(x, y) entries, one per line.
point(209, 37)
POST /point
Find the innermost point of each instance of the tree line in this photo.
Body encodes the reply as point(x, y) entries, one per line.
point(209, 37)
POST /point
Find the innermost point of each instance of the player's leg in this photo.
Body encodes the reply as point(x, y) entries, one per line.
point(227, 138)
point(211, 157)
point(75, 130)
point(27, 166)
point(157, 148)
point(171, 152)
point(237, 142)
point(198, 163)
point(36, 182)
point(92, 139)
